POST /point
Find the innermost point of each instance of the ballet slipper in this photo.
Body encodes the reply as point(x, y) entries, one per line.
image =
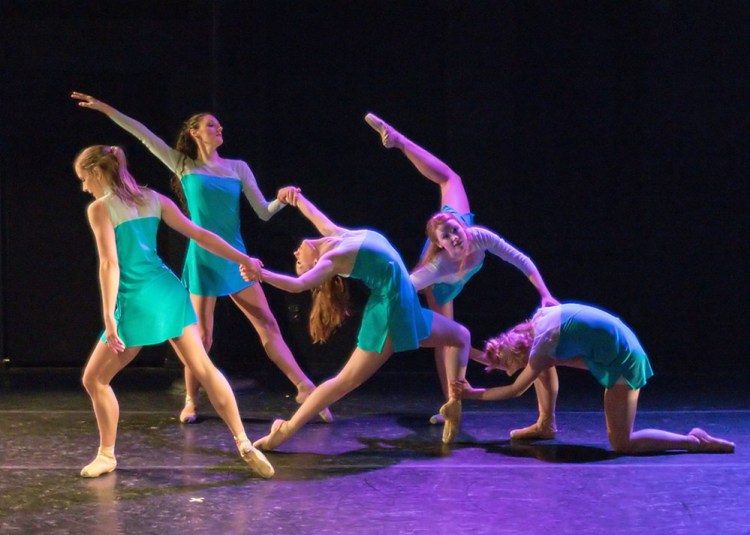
point(188, 414)
point(102, 464)
point(451, 413)
point(388, 135)
point(302, 394)
point(278, 435)
point(255, 459)
point(709, 444)
point(541, 430)
point(437, 419)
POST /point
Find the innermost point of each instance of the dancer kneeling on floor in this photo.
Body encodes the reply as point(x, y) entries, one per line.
point(392, 319)
point(143, 302)
point(455, 248)
point(585, 337)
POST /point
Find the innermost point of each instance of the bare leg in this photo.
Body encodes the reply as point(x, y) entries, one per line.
point(546, 387)
point(360, 367)
point(620, 405)
point(102, 366)
point(204, 308)
point(189, 347)
point(455, 341)
point(452, 190)
point(253, 304)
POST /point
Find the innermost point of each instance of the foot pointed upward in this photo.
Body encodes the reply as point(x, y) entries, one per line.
point(388, 135)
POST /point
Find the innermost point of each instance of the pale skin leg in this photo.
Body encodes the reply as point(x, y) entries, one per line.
point(546, 387)
point(620, 406)
point(101, 368)
point(253, 304)
point(361, 366)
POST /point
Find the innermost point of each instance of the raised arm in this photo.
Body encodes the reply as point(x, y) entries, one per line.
point(493, 243)
point(109, 270)
point(324, 225)
point(173, 217)
point(168, 156)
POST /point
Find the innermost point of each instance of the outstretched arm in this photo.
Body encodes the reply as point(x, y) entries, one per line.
point(522, 383)
point(325, 226)
point(322, 271)
point(169, 156)
point(493, 243)
point(173, 217)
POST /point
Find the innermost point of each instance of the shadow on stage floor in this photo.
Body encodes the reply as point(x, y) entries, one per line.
point(380, 468)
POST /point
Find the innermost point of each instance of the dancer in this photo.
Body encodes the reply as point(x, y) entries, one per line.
point(585, 337)
point(455, 248)
point(392, 320)
point(211, 187)
point(143, 303)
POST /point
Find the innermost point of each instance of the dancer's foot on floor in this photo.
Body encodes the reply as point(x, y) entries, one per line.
point(189, 414)
point(102, 464)
point(278, 435)
point(255, 459)
point(709, 444)
point(451, 413)
point(388, 135)
point(541, 430)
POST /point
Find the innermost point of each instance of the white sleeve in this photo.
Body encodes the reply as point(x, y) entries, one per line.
point(546, 332)
point(263, 208)
point(489, 241)
point(438, 270)
point(170, 157)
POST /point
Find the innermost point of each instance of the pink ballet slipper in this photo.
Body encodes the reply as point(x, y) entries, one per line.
point(388, 135)
point(709, 444)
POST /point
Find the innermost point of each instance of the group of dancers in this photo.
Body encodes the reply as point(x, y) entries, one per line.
point(144, 303)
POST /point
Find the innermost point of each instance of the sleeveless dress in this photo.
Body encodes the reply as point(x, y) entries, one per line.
point(152, 304)
point(212, 191)
point(393, 306)
point(609, 348)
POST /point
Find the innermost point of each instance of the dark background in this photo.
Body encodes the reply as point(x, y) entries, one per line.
point(606, 139)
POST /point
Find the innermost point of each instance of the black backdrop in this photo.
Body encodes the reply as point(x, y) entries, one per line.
point(606, 139)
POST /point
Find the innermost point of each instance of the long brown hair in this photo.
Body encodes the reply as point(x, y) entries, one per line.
point(330, 307)
point(110, 159)
point(189, 148)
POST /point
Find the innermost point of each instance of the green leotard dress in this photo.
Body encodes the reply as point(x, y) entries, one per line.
point(609, 348)
point(214, 204)
point(393, 305)
point(152, 304)
point(212, 190)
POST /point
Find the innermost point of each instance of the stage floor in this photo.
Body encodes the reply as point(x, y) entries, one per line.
point(379, 469)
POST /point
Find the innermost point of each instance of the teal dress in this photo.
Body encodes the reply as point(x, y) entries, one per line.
point(207, 196)
point(393, 305)
point(152, 304)
point(609, 348)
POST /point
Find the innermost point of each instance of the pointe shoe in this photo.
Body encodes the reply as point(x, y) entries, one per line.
point(709, 444)
point(451, 413)
point(256, 460)
point(437, 419)
point(326, 415)
point(189, 411)
point(388, 135)
point(102, 464)
point(278, 435)
point(541, 430)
